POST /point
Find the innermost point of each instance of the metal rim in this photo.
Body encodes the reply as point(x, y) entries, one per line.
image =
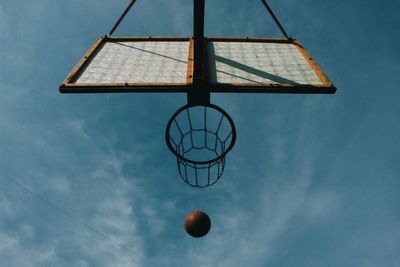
point(188, 106)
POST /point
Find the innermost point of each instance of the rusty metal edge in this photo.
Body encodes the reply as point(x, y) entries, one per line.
point(316, 68)
point(273, 88)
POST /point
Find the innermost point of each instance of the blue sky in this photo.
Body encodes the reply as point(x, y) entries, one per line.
point(312, 180)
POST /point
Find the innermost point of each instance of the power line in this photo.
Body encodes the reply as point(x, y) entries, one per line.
point(78, 221)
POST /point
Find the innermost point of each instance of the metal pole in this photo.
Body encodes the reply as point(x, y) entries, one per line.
point(122, 17)
point(198, 30)
point(199, 94)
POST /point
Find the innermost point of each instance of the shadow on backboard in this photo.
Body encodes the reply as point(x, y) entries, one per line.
point(151, 52)
point(212, 70)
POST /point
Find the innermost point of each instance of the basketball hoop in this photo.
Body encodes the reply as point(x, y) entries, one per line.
point(199, 134)
point(200, 137)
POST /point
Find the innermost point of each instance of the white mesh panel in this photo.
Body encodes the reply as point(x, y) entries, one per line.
point(264, 63)
point(138, 62)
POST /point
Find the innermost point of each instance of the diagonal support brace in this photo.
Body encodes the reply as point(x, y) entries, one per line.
point(122, 17)
point(264, 2)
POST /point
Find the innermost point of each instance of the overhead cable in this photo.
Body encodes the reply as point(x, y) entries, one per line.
point(78, 221)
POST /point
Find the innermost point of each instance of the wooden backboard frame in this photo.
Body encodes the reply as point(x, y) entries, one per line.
point(326, 87)
point(69, 85)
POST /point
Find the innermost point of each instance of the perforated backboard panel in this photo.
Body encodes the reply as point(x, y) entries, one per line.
point(259, 63)
point(133, 64)
point(138, 62)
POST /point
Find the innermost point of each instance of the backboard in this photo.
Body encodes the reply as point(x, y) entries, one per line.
point(165, 65)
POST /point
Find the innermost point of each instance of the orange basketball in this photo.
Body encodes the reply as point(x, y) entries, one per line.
point(197, 224)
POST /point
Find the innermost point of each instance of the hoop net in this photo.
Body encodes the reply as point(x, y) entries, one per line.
point(200, 137)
